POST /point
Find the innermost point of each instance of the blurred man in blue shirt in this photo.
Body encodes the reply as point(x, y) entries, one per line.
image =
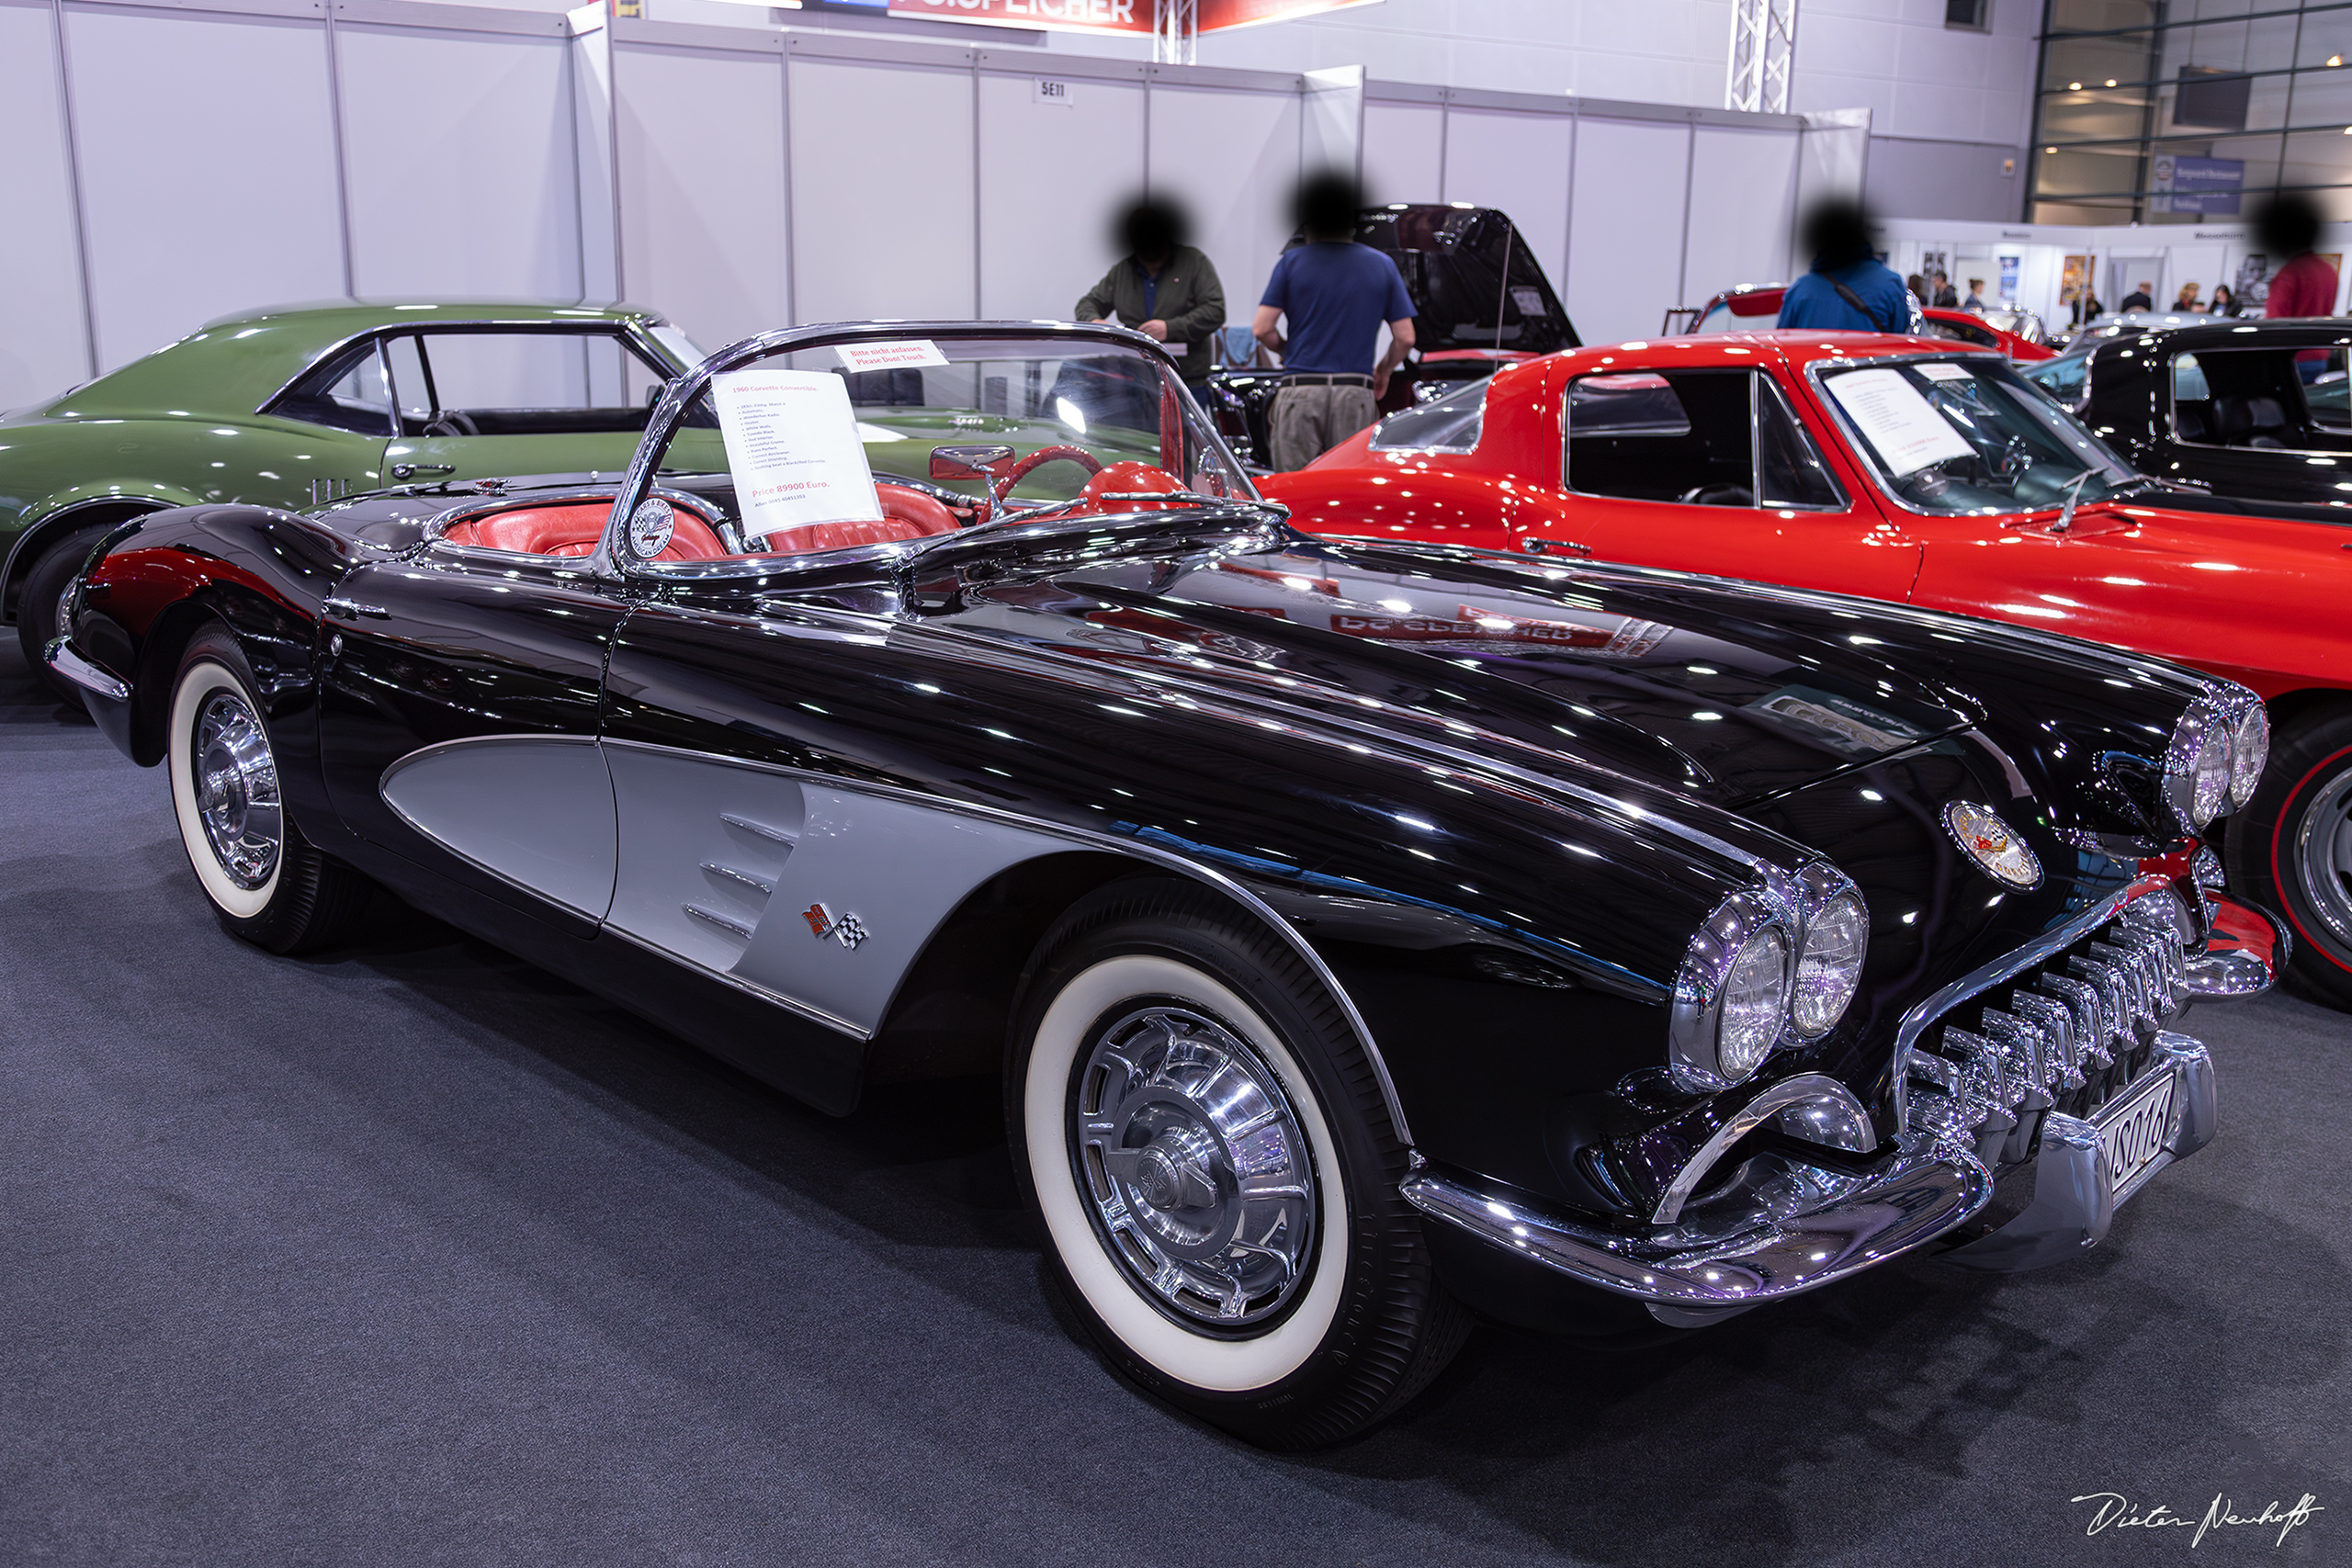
point(1848, 288)
point(1337, 295)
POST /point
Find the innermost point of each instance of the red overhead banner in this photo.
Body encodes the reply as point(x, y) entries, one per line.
point(1112, 15)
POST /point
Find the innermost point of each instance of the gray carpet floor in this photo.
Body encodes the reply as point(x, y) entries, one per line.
point(410, 1254)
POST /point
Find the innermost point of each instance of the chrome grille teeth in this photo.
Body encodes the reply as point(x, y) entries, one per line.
point(2132, 971)
point(2114, 1000)
point(2025, 1045)
point(2062, 1070)
point(2161, 954)
point(2082, 1003)
point(1996, 1072)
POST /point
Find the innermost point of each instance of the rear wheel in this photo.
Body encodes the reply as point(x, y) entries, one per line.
point(2292, 847)
point(1207, 1150)
point(266, 882)
point(44, 592)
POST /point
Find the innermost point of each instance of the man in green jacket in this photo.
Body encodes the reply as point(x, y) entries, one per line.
point(1161, 287)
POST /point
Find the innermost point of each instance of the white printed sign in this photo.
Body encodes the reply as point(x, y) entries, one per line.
point(1944, 370)
point(1053, 93)
point(1903, 427)
point(793, 450)
point(889, 355)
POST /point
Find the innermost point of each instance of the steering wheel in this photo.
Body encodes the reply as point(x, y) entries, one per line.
point(1038, 459)
point(449, 422)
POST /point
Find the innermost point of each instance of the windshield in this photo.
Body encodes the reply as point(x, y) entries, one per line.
point(1968, 435)
point(869, 439)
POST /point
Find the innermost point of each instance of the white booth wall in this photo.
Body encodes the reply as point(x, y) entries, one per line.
point(173, 164)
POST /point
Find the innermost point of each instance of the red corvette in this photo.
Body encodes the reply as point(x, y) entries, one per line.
point(1890, 469)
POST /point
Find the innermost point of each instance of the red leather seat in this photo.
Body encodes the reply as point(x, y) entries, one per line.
point(573, 530)
point(906, 514)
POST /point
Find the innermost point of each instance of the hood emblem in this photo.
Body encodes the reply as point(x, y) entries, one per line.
point(849, 929)
point(1991, 843)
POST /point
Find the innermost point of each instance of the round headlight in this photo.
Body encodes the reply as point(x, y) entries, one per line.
point(1830, 966)
point(1755, 999)
point(2249, 752)
point(2196, 767)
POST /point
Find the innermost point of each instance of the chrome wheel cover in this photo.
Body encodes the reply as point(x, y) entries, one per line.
point(236, 790)
point(2324, 856)
point(1193, 1168)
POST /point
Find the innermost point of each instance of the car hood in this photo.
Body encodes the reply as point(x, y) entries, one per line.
point(1728, 691)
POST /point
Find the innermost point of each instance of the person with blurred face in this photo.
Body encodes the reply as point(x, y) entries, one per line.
point(1337, 295)
point(1848, 288)
point(1975, 300)
point(1162, 287)
point(2139, 298)
point(2185, 303)
point(2288, 228)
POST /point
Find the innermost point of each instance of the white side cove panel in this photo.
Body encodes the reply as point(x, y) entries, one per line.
point(44, 350)
point(867, 884)
point(505, 163)
point(819, 894)
point(201, 200)
point(536, 810)
point(703, 235)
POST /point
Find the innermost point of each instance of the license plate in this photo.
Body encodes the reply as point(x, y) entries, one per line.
point(2132, 1133)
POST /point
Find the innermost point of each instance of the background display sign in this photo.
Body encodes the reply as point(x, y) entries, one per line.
point(2211, 185)
point(1113, 16)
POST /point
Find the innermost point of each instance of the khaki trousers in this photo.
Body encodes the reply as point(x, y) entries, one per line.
point(1307, 422)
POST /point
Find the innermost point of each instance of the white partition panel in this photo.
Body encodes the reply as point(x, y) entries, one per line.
point(44, 350)
point(1625, 230)
point(502, 157)
point(1517, 163)
point(1743, 201)
point(882, 177)
point(703, 237)
point(1402, 146)
point(1052, 180)
point(208, 169)
point(1231, 158)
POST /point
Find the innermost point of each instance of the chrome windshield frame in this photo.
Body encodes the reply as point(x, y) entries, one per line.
point(611, 559)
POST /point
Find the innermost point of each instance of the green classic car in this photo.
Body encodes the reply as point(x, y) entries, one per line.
point(298, 405)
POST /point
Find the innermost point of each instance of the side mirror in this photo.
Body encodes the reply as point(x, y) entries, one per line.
point(967, 462)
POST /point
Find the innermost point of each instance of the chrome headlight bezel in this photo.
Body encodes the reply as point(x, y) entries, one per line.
point(1778, 907)
point(1825, 891)
point(2249, 754)
point(2200, 775)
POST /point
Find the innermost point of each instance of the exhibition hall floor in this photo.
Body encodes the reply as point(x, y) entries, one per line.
point(412, 1254)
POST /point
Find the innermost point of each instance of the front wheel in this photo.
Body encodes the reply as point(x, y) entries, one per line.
point(265, 882)
point(2292, 847)
point(1206, 1146)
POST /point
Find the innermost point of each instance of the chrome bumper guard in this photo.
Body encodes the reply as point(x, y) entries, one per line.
point(59, 656)
point(2047, 1048)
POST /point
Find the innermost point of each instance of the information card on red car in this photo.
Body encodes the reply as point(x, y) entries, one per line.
point(791, 446)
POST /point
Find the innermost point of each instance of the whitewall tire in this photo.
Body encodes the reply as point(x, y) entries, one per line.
point(1214, 1172)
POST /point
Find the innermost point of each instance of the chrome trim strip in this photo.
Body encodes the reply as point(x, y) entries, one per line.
point(630, 324)
point(1787, 1095)
point(749, 988)
point(59, 656)
point(1917, 1199)
point(1129, 847)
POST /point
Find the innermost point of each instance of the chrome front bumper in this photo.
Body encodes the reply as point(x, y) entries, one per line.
point(2059, 1041)
point(60, 657)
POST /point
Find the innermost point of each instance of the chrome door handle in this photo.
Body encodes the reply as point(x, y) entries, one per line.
point(1536, 546)
point(351, 610)
point(410, 470)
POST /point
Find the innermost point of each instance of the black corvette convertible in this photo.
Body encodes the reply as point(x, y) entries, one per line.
point(1359, 931)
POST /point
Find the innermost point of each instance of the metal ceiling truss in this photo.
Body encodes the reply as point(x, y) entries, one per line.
point(1763, 46)
point(1176, 32)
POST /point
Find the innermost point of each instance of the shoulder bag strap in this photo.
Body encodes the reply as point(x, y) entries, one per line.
point(1855, 299)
